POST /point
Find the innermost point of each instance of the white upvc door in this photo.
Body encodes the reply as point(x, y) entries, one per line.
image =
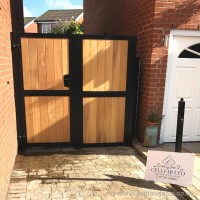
point(183, 81)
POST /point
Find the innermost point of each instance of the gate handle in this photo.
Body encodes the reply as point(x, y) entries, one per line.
point(66, 80)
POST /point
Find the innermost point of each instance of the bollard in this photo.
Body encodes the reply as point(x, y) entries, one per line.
point(179, 128)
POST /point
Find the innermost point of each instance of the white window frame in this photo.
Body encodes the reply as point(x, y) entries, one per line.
point(46, 27)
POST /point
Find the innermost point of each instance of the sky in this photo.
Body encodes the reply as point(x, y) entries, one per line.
point(35, 8)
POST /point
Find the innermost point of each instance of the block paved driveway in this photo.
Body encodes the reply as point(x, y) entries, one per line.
point(88, 173)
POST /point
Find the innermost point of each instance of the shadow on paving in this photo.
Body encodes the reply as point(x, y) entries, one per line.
point(101, 150)
point(140, 183)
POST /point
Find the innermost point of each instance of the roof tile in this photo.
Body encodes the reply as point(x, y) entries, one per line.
point(53, 15)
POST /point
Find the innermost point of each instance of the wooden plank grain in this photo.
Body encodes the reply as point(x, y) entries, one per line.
point(43, 101)
point(100, 120)
point(25, 63)
point(93, 120)
point(44, 119)
point(86, 65)
point(57, 64)
point(36, 119)
point(41, 64)
point(116, 66)
point(101, 61)
point(59, 119)
point(123, 65)
point(114, 116)
point(109, 65)
point(50, 64)
point(107, 119)
point(29, 119)
point(52, 119)
point(93, 66)
point(34, 79)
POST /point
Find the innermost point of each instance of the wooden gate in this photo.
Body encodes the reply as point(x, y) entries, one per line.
point(45, 62)
point(75, 89)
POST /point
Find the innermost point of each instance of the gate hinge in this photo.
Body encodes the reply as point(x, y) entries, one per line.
point(16, 45)
point(22, 142)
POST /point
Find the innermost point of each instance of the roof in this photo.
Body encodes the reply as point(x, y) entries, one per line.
point(28, 20)
point(53, 15)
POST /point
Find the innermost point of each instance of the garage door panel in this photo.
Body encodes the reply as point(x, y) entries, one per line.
point(173, 122)
point(187, 123)
point(184, 82)
point(197, 133)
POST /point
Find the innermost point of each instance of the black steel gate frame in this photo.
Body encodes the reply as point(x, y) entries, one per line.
point(75, 91)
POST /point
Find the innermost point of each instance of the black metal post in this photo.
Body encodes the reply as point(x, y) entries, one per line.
point(180, 122)
point(131, 90)
point(18, 89)
point(76, 99)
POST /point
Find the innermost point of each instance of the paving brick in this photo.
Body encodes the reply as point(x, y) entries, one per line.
point(111, 183)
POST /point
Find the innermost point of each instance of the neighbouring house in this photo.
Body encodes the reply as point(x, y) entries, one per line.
point(29, 25)
point(11, 18)
point(45, 21)
point(168, 44)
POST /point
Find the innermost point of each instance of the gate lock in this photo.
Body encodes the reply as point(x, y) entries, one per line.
point(66, 80)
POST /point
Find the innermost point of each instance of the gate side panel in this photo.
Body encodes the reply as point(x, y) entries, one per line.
point(106, 124)
point(47, 119)
point(104, 65)
point(45, 62)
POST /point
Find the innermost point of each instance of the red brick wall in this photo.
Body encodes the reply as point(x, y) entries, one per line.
point(8, 135)
point(117, 17)
point(150, 21)
point(32, 28)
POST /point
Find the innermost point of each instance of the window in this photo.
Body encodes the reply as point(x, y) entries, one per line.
point(46, 28)
point(191, 52)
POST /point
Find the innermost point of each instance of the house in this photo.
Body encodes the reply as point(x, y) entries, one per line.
point(168, 45)
point(29, 25)
point(169, 48)
point(45, 21)
point(11, 17)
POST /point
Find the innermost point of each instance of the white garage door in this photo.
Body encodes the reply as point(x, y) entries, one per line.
point(183, 81)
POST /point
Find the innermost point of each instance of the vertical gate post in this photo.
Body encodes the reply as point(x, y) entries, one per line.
point(18, 88)
point(76, 102)
point(131, 92)
point(180, 122)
